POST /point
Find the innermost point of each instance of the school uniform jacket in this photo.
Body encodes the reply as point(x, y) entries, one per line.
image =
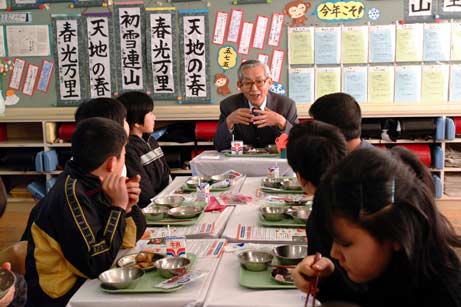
point(147, 160)
point(249, 134)
point(76, 235)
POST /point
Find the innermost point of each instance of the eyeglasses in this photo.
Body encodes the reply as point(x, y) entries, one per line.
point(249, 84)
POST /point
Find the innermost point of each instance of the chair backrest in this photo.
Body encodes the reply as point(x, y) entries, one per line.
point(16, 255)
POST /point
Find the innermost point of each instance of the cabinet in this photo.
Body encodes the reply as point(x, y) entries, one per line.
point(26, 134)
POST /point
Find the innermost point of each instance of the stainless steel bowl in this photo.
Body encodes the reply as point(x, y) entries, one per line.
point(217, 178)
point(290, 254)
point(272, 182)
point(301, 214)
point(273, 213)
point(120, 278)
point(172, 266)
point(7, 280)
point(169, 201)
point(193, 181)
point(155, 213)
point(255, 261)
point(291, 184)
point(143, 260)
point(185, 211)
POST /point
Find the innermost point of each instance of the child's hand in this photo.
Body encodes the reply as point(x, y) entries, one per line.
point(8, 298)
point(132, 186)
point(310, 266)
point(115, 187)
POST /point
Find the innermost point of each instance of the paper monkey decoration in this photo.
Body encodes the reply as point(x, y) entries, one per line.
point(297, 10)
point(222, 83)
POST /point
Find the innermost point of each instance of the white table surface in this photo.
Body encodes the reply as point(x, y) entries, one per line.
point(210, 225)
point(193, 294)
point(211, 162)
point(226, 291)
point(247, 216)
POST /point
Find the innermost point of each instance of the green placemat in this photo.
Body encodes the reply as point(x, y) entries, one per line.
point(260, 280)
point(245, 155)
point(285, 222)
point(169, 220)
point(279, 191)
point(148, 280)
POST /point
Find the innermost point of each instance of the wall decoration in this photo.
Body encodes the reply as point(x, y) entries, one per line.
point(30, 80)
point(220, 27)
point(407, 83)
point(277, 88)
point(222, 83)
point(99, 54)
point(233, 34)
point(163, 55)
point(245, 38)
point(275, 29)
point(16, 75)
point(382, 44)
point(301, 85)
point(28, 40)
point(297, 11)
point(300, 45)
point(260, 31)
point(374, 14)
point(227, 57)
point(278, 57)
point(263, 58)
point(339, 11)
point(46, 72)
point(194, 51)
point(380, 84)
point(418, 10)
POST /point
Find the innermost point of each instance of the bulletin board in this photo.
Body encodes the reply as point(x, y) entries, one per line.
point(227, 33)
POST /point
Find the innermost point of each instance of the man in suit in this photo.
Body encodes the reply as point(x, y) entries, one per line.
point(255, 116)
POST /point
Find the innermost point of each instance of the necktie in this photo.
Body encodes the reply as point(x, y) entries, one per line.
point(253, 111)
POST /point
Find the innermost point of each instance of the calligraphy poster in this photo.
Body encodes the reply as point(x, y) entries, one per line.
point(68, 59)
point(2, 43)
point(245, 39)
point(162, 54)
point(300, 45)
point(17, 73)
point(130, 46)
point(275, 30)
point(278, 58)
point(419, 10)
point(99, 54)
point(449, 8)
point(194, 53)
point(220, 27)
point(263, 58)
point(30, 80)
point(46, 72)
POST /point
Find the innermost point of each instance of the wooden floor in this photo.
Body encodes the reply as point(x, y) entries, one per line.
point(14, 220)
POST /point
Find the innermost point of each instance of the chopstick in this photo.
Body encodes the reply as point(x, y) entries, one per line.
point(313, 285)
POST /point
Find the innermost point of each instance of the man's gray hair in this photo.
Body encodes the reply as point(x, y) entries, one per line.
point(251, 64)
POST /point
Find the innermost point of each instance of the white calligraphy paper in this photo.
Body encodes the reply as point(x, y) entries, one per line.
point(278, 57)
point(260, 32)
point(29, 81)
point(456, 41)
point(234, 26)
point(418, 8)
point(28, 40)
point(99, 54)
point(245, 39)
point(263, 58)
point(220, 26)
point(451, 5)
point(16, 75)
point(275, 29)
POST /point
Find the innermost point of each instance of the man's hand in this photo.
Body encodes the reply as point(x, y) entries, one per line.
point(115, 187)
point(267, 118)
point(9, 296)
point(240, 116)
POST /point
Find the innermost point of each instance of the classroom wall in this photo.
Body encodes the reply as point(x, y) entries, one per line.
point(390, 11)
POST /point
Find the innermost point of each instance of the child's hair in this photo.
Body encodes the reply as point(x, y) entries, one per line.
point(101, 107)
point(96, 139)
point(313, 147)
point(340, 110)
point(137, 105)
point(382, 194)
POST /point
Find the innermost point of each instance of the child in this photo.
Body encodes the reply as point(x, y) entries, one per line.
point(144, 157)
point(84, 219)
point(387, 232)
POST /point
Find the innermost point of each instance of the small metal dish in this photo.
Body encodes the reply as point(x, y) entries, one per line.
point(217, 178)
point(291, 184)
point(255, 261)
point(7, 280)
point(301, 214)
point(193, 181)
point(185, 211)
point(272, 182)
point(155, 213)
point(272, 213)
point(143, 260)
point(290, 254)
point(282, 275)
point(120, 278)
point(169, 201)
point(172, 266)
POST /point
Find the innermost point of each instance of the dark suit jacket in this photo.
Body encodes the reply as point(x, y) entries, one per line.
point(258, 137)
